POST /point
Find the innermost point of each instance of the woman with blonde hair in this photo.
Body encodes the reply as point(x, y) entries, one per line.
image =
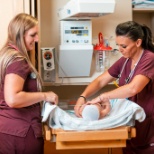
point(20, 90)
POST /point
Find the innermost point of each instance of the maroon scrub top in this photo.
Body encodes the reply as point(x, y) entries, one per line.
point(145, 98)
point(17, 121)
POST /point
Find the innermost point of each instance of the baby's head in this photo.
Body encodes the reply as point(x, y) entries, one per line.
point(90, 113)
point(96, 111)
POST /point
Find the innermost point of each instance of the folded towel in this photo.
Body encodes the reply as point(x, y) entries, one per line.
point(123, 113)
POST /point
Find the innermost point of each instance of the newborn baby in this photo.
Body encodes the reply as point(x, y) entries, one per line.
point(96, 111)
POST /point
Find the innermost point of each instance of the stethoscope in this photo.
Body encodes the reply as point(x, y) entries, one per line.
point(130, 74)
point(33, 75)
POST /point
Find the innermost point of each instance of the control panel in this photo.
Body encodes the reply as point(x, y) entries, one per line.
point(76, 32)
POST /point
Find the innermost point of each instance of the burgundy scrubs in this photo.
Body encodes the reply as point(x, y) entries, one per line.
point(144, 141)
point(20, 128)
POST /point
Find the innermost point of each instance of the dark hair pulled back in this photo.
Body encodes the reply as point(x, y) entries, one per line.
point(135, 31)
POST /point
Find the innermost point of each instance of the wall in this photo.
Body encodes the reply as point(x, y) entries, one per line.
point(8, 9)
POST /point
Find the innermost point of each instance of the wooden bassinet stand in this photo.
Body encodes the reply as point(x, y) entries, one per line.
point(111, 138)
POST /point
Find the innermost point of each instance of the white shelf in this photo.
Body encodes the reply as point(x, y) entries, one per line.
point(143, 10)
point(76, 81)
point(73, 80)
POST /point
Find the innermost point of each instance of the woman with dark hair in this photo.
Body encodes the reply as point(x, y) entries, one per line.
point(134, 72)
point(20, 90)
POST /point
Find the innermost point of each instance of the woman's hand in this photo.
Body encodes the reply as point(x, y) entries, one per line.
point(79, 106)
point(81, 109)
point(105, 109)
point(95, 101)
point(51, 97)
point(99, 99)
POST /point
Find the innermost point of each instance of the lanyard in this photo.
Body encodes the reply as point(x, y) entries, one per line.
point(132, 71)
point(130, 74)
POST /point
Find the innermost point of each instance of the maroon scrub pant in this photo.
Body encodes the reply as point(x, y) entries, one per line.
point(21, 145)
point(138, 150)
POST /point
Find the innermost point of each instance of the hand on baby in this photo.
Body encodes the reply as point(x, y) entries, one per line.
point(103, 108)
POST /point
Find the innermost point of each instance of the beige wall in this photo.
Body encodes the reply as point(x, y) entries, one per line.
point(8, 9)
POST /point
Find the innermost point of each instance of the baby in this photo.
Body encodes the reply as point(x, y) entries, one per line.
point(96, 111)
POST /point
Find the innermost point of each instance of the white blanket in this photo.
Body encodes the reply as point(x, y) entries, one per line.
point(123, 113)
